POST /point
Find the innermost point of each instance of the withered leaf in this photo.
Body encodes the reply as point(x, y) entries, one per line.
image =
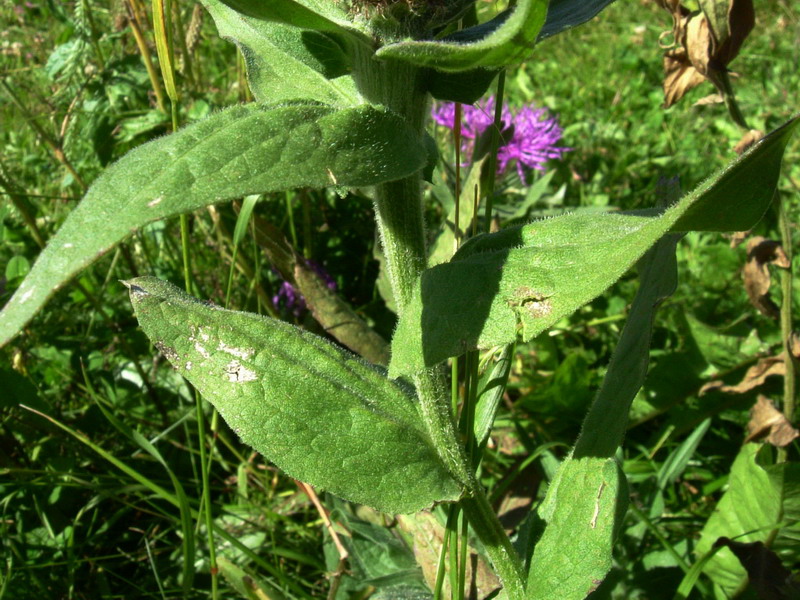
point(748, 139)
point(706, 41)
point(761, 253)
point(755, 376)
point(768, 423)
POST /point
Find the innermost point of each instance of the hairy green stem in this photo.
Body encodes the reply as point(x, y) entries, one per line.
point(399, 215)
point(505, 559)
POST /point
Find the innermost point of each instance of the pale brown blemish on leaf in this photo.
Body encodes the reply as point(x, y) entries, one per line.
point(535, 303)
point(761, 253)
point(769, 424)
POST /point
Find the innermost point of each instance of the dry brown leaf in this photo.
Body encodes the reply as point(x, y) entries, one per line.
point(755, 376)
point(710, 99)
point(760, 254)
point(737, 237)
point(768, 422)
point(427, 534)
point(748, 139)
point(705, 42)
point(679, 76)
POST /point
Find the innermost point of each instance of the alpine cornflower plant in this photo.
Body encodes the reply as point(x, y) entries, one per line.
point(533, 134)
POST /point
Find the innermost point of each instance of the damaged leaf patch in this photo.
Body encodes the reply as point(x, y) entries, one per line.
point(762, 252)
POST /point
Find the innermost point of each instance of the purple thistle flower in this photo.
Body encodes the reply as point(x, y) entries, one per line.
point(532, 143)
point(290, 298)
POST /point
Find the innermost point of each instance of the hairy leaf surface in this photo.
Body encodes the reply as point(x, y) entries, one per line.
point(287, 63)
point(318, 412)
point(587, 498)
point(242, 150)
point(507, 39)
point(523, 280)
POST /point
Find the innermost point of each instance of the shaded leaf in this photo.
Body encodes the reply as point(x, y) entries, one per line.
point(524, 279)
point(767, 575)
point(751, 510)
point(507, 39)
point(242, 150)
point(768, 423)
point(761, 253)
point(332, 312)
point(315, 410)
point(565, 14)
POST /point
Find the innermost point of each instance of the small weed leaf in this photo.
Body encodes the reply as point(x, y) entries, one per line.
point(523, 280)
point(239, 151)
point(316, 411)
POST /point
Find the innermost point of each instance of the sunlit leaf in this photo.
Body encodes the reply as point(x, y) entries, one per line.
point(239, 151)
point(318, 412)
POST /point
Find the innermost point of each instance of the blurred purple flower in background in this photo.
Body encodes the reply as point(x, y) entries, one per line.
point(290, 298)
point(533, 139)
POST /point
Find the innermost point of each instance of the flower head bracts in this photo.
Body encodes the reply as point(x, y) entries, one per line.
point(533, 134)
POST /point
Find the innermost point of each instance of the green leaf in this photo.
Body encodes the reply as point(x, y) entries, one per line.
point(315, 410)
point(507, 39)
point(319, 15)
point(466, 87)
point(287, 63)
point(18, 266)
point(750, 510)
point(525, 279)
point(588, 496)
point(565, 14)
point(607, 420)
point(242, 150)
point(588, 499)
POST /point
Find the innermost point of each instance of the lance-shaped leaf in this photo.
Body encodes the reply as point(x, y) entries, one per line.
point(587, 496)
point(525, 279)
point(285, 62)
point(508, 38)
point(565, 14)
point(317, 411)
point(319, 15)
point(242, 150)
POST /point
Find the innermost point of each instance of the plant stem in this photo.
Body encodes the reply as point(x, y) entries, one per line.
point(398, 207)
point(505, 559)
point(787, 333)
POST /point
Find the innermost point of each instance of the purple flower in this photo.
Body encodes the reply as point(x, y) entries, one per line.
point(290, 298)
point(534, 134)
